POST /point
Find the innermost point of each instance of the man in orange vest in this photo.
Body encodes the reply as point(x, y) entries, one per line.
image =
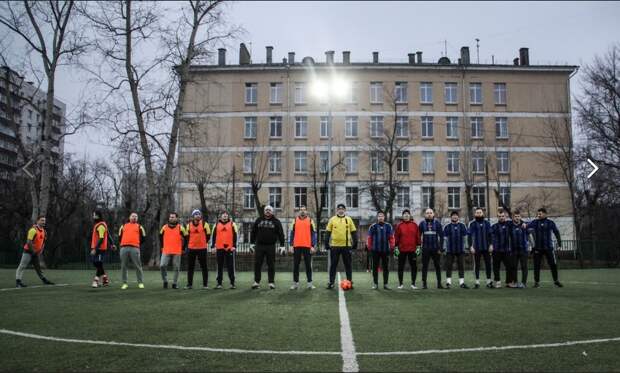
point(131, 237)
point(198, 233)
point(172, 240)
point(302, 239)
point(32, 249)
point(225, 241)
point(99, 241)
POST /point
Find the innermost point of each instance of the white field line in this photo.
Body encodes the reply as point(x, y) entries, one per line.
point(349, 358)
point(34, 287)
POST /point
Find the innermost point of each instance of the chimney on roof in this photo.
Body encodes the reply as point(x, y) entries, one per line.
point(221, 56)
point(524, 56)
point(329, 57)
point(346, 57)
point(375, 57)
point(291, 58)
point(516, 61)
point(244, 55)
point(465, 55)
point(418, 57)
point(411, 58)
point(269, 55)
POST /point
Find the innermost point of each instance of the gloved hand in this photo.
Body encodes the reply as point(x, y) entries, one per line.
point(396, 252)
point(282, 250)
point(252, 248)
point(418, 249)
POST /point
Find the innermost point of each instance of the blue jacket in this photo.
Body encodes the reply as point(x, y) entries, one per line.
point(501, 237)
point(541, 229)
point(455, 237)
point(381, 237)
point(480, 235)
point(432, 235)
point(518, 238)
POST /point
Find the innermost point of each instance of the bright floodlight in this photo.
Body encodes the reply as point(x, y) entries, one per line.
point(320, 89)
point(340, 87)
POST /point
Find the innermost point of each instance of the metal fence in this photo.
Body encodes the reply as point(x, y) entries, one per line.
point(573, 254)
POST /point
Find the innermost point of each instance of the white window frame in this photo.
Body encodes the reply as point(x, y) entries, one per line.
point(402, 127)
point(428, 162)
point(352, 197)
point(275, 126)
point(452, 128)
point(454, 198)
point(503, 192)
point(400, 93)
point(478, 159)
point(275, 197)
point(275, 92)
point(376, 92)
point(503, 162)
point(475, 93)
point(453, 159)
point(499, 93)
point(376, 126)
point(249, 162)
point(301, 127)
point(301, 162)
point(248, 199)
point(427, 123)
point(402, 162)
point(477, 127)
point(351, 127)
point(351, 95)
point(300, 93)
point(275, 162)
point(251, 93)
point(501, 128)
point(324, 127)
point(479, 197)
point(323, 161)
point(450, 93)
point(403, 196)
point(351, 162)
point(376, 162)
point(301, 197)
point(250, 124)
point(426, 92)
point(428, 197)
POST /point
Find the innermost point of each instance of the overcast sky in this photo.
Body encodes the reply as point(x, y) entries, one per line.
point(556, 33)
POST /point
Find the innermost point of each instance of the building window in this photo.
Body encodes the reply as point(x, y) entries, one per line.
point(350, 162)
point(324, 161)
point(501, 127)
point(275, 127)
point(249, 131)
point(402, 162)
point(454, 198)
point(453, 162)
point(323, 197)
point(427, 127)
point(350, 127)
point(376, 126)
point(402, 197)
point(301, 197)
point(504, 195)
point(499, 92)
point(275, 93)
point(301, 162)
point(275, 197)
point(478, 195)
point(402, 127)
point(324, 127)
point(352, 197)
point(249, 159)
point(475, 93)
point(300, 93)
point(376, 92)
point(450, 93)
point(248, 198)
point(477, 162)
point(400, 92)
point(351, 94)
point(477, 128)
point(503, 162)
point(251, 93)
point(452, 128)
point(376, 162)
point(428, 162)
point(275, 162)
point(428, 197)
point(426, 93)
point(301, 127)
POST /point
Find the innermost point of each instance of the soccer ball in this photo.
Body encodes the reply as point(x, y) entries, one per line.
point(345, 284)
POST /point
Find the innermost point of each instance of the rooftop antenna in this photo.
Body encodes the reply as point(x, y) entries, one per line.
point(445, 48)
point(477, 51)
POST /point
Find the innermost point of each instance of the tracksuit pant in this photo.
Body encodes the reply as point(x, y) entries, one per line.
point(384, 258)
point(403, 258)
point(176, 264)
point(500, 257)
point(550, 256)
point(225, 257)
point(131, 253)
point(260, 253)
point(521, 260)
point(97, 260)
point(26, 259)
point(334, 256)
point(201, 255)
point(426, 257)
point(298, 253)
point(487, 264)
point(450, 257)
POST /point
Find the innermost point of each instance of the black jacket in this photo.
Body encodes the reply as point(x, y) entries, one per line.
point(267, 231)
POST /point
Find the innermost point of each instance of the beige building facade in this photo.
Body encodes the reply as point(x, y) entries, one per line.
point(454, 126)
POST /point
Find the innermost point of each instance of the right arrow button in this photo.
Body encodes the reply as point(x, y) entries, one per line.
point(594, 166)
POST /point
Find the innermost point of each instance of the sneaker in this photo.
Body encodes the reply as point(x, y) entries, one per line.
point(522, 285)
point(20, 284)
point(464, 286)
point(295, 286)
point(124, 286)
point(413, 287)
point(95, 283)
point(424, 287)
point(140, 286)
point(477, 286)
point(374, 287)
point(448, 286)
point(310, 286)
point(205, 287)
point(219, 286)
point(232, 286)
point(188, 287)
point(498, 285)
point(490, 285)
point(165, 285)
point(175, 286)
point(255, 285)
point(536, 285)
point(400, 287)
point(46, 281)
point(386, 287)
point(558, 284)
point(106, 280)
point(272, 286)
point(329, 286)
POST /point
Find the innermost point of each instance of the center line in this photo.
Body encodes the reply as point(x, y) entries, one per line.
point(349, 357)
